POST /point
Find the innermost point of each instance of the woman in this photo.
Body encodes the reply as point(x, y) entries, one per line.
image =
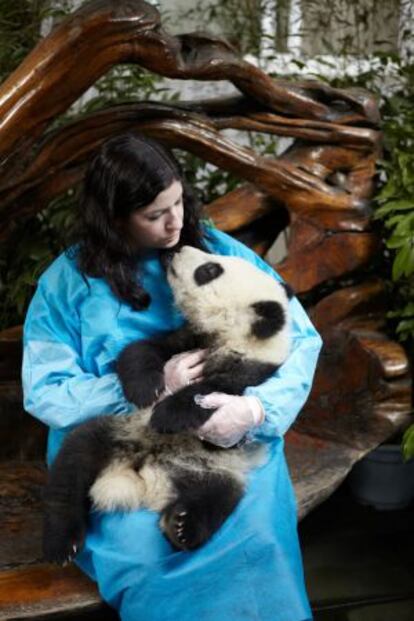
point(109, 290)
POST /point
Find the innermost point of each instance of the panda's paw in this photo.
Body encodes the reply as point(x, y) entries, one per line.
point(60, 551)
point(179, 412)
point(61, 543)
point(166, 418)
point(144, 394)
point(184, 527)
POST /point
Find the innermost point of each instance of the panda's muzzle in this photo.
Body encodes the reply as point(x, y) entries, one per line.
point(207, 272)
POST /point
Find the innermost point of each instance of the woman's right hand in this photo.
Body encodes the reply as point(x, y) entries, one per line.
point(183, 369)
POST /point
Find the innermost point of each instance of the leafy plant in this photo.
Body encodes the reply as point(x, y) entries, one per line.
point(408, 443)
point(211, 182)
point(395, 200)
point(20, 26)
point(28, 251)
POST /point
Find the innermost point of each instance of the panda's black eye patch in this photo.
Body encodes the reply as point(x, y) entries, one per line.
point(272, 319)
point(207, 272)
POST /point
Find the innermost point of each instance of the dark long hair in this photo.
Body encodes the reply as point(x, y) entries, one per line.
point(127, 174)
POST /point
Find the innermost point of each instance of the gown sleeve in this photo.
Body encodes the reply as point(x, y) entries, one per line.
point(284, 394)
point(57, 389)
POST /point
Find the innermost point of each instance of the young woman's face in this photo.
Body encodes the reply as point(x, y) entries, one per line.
point(159, 224)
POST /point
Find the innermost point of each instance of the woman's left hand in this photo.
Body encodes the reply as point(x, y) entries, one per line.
point(234, 417)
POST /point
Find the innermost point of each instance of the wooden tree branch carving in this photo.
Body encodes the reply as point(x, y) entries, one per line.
point(321, 185)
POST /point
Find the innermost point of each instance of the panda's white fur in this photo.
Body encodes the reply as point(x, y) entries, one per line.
point(124, 462)
point(120, 487)
point(224, 305)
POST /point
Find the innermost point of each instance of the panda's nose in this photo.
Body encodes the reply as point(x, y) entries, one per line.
point(207, 272)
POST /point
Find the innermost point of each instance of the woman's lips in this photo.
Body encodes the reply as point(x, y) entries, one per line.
point(172, 237)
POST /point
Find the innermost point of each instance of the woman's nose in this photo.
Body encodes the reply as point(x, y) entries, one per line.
point(175, 220)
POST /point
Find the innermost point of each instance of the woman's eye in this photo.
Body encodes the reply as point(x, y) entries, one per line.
point(153, 218)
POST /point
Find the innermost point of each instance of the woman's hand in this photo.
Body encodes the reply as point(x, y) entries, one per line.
point(183, 369)
point(234, 417)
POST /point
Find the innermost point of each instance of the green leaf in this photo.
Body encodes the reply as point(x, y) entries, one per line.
point(406, 226)
point(399, 205)
point(406, 325)
point(390, 190)
point(400, 261)
point(408, 310)
point(397, 241)
point(408, 443)
point(409, 266)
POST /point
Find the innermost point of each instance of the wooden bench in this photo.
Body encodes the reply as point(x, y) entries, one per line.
point(32, 589)
point(320, 186)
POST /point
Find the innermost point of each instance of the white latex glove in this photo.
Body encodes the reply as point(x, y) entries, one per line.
point(183, 369)
point(234, 417)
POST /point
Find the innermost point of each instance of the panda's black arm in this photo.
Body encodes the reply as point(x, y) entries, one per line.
point(180, 411)
point(140, 365)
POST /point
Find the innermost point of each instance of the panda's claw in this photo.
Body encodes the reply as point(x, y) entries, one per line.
point(181, 527)
point(62, 539)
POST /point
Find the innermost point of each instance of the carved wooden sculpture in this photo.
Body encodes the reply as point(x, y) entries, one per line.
point(321, 185)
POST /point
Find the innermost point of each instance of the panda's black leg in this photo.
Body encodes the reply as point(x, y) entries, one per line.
point(66, 497)
point(63, 532)
point(203, 504)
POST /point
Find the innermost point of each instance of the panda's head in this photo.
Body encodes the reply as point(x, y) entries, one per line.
point(231, 299)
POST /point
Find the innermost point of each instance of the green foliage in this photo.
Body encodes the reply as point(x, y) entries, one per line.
point(395, 200)
point(211, 182)
point(122, 84)
point(408, 443)
point(28, 251)
point(20, 23)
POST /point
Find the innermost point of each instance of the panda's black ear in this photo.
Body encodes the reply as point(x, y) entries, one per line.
point(289, 291)
point(271, 319)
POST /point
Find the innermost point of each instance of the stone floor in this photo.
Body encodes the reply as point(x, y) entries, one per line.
point(359, 562)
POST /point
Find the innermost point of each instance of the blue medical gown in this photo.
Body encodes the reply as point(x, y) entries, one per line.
point(251, 569)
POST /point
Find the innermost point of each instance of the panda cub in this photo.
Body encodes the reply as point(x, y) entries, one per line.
point(152, 457)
